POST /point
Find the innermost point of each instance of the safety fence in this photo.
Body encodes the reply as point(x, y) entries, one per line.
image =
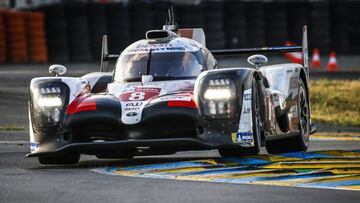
point(72, 31)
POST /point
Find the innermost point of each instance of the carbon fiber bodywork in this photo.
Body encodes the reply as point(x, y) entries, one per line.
point(161, 126)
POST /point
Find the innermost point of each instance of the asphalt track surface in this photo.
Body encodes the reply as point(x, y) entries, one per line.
point(25, 180)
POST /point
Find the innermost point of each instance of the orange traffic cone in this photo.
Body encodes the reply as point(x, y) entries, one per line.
point(297, 57)
point(332, 65)
point(293, 57)
point(316, 58)
point(288, 55)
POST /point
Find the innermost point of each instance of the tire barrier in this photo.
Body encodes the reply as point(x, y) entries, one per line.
point(78, 29)
point(320, 25)
point(73, 30)
point(118, 26)
point(235, 23)
point(36, 37)
point(2, 38)
point(189, 16)
point(275, 14)
point(16, 36)
point(97, 28)
point(255, 27)
point(214, 24)
point(56, 33)
point(339, 28)
point(160, 13)
point(141, 18)
point(354, 28)
point(298, 13)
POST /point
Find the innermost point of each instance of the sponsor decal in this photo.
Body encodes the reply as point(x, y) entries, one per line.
point(132, 108)
point(242, 137)
point(166, 49)
point(34, 146)
point(234, 137)
point(131, 114)
point(247, 96)
point(246, 110)
point(134, 104)
point(172, 98)
point(245, 136)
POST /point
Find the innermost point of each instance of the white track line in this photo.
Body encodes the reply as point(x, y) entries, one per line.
point(15, 142)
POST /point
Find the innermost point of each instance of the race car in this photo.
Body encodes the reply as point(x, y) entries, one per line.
point(167, 94)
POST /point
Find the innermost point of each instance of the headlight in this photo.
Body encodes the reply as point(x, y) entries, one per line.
point(217, 94)
point(219, 98)
point(48, 99)
point(51, 101)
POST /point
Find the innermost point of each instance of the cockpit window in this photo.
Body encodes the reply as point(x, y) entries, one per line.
point(161, 65)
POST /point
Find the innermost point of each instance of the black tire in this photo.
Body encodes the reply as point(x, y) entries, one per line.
point(257, 129)
point(301, 141)
point(67, 159)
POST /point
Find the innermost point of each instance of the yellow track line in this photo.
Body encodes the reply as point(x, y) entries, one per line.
point(292, 182)
point(336, 136)
point(352, 187)
point(313, 164)
point(339, 153)
point(340, 171)
point(242, 174)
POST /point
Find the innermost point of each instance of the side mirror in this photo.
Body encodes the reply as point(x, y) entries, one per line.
point(57, 70)
point(257, 60)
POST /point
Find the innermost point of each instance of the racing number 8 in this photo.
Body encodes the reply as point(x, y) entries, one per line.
point(136, 96)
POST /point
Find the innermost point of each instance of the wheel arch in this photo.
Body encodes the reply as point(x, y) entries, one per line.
point(302, 76)
point(261, 87)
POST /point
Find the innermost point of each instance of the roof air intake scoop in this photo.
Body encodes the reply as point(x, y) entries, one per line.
point(159, 34)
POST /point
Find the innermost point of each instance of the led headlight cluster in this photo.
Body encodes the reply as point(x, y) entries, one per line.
point(219, 98)
point(48, 101)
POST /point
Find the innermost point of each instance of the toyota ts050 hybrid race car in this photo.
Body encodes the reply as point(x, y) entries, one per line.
point(166, 94)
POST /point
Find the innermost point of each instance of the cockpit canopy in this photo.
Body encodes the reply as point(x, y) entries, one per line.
point(164, 61)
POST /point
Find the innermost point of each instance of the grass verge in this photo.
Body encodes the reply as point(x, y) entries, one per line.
point(336, 102)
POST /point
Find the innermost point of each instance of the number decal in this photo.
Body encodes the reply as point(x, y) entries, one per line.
point(140, 94)
point(137, 96)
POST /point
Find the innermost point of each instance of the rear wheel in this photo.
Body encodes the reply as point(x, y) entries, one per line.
point(257, 128)
point(66, 159)
point(301, 141)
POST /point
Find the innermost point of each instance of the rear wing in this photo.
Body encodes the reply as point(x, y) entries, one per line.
point(106, 57)
point(266, 50)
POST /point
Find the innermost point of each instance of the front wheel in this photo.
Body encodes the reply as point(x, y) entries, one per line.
point(66, 159)
point(257, 128)
point(301, 141)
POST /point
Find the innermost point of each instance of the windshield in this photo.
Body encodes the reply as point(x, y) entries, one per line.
point(162, 66)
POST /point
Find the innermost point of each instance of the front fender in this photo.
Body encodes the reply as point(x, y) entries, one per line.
point(49, 97)
point(227, 126)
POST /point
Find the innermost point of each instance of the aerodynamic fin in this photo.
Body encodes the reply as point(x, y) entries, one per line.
point(105, 56)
